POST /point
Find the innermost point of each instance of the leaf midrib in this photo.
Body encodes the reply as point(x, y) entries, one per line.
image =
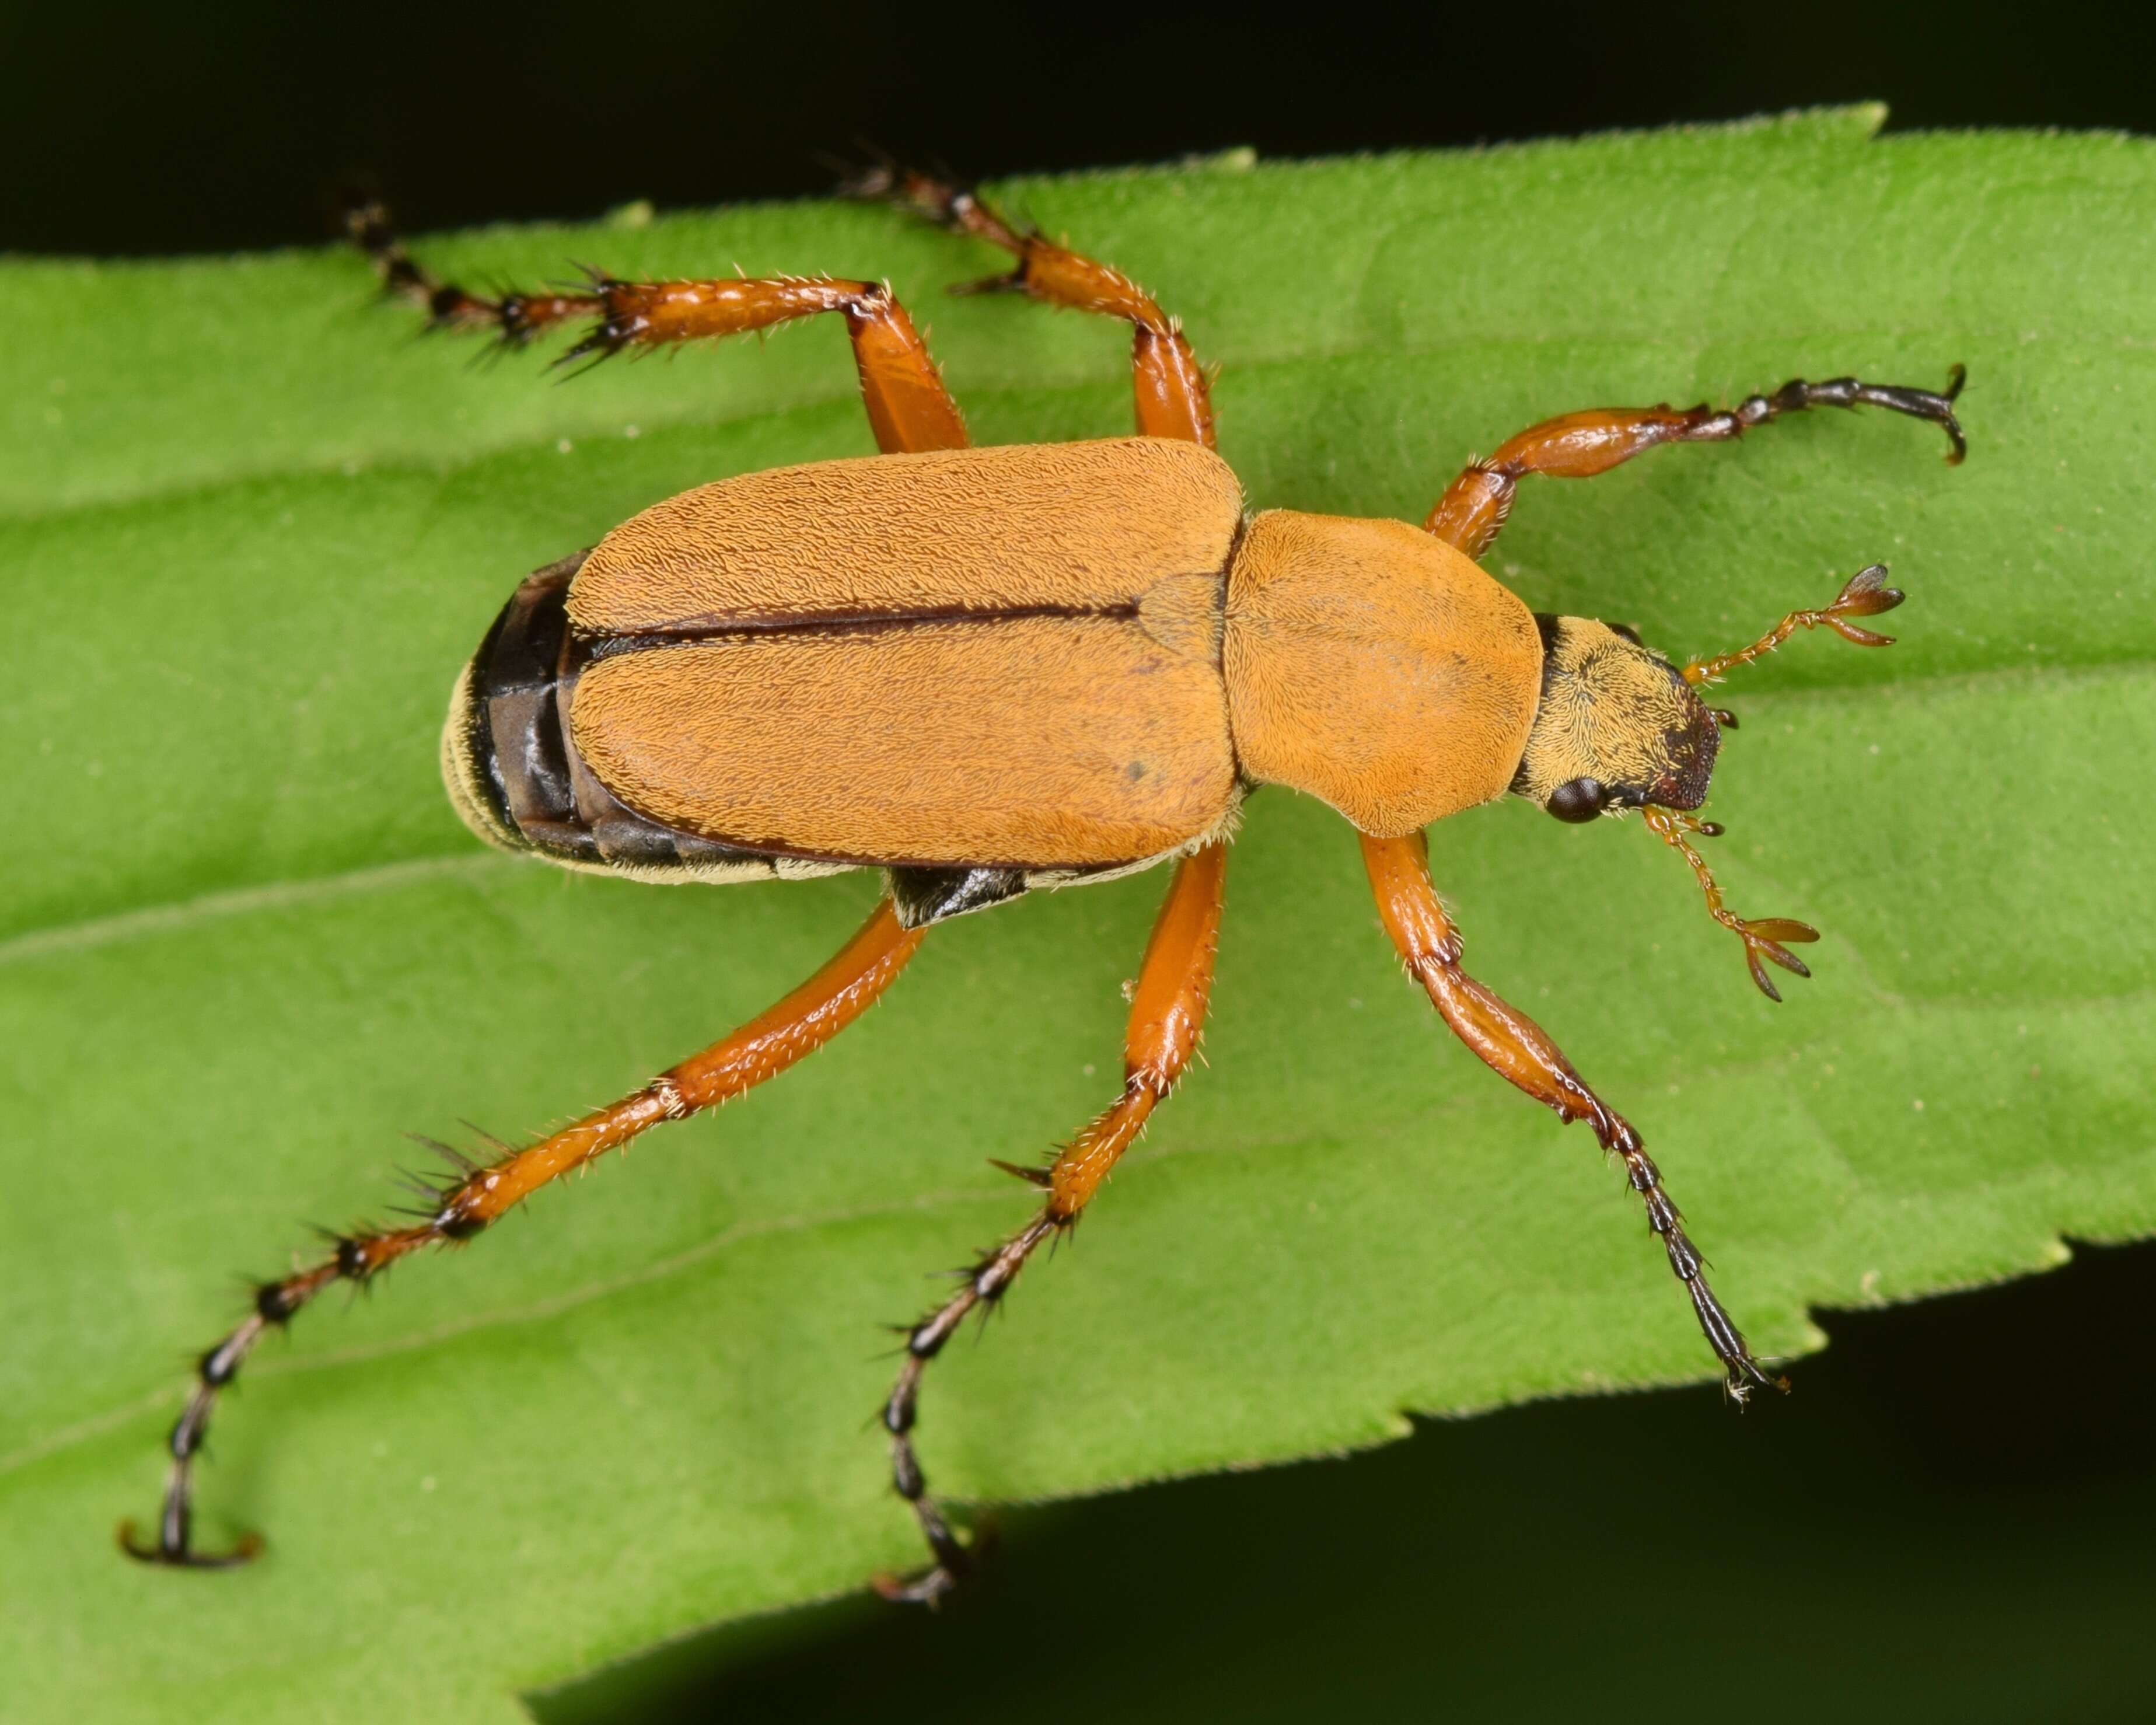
point(152, 918)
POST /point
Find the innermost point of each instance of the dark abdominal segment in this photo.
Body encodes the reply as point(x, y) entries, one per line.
point(517, 762)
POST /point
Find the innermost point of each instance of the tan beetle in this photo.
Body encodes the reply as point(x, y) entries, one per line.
point(984, 671)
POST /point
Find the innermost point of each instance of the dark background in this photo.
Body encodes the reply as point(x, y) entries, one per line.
point(159, 128)
point(1951, 1520)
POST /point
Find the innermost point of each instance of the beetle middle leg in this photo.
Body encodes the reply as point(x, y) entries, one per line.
point(480, 1194)
point(1168, 1011)
point(1518, 1051)
point(512, 318)
point(908, 408)
point(1173, 397)
point(1581, 445)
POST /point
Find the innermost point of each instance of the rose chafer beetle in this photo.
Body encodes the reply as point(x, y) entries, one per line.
point(987, 671)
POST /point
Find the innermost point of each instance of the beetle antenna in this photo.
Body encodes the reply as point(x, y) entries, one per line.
point(1864, 594)
point(1763, 938)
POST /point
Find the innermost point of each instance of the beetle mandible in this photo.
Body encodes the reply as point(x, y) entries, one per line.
point(1105, 652)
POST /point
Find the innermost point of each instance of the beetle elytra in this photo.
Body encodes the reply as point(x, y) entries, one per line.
point(986, 671)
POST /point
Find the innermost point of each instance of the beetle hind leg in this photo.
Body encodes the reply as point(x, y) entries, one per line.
point(473, 1195)
point(1167, 1010)
point(908, 408)
point(513, 319)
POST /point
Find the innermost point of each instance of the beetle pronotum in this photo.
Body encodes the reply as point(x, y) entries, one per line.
point(1099, 652)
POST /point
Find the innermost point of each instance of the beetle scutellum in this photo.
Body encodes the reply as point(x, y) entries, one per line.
point(1101, 652)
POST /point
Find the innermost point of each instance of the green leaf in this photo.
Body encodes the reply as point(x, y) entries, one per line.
point(252, 529)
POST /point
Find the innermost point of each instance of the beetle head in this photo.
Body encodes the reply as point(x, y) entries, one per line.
point(1617, 726)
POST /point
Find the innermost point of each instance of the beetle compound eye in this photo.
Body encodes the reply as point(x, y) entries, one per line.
point(1577, 799)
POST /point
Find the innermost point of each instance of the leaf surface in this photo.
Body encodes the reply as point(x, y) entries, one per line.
point(250, 528)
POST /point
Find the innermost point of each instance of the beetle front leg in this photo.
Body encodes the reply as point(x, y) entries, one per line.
point(1581, 445)
point(1517, 1049)
point(1173, 398)
point(908, 408)
point(1168, 1011)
